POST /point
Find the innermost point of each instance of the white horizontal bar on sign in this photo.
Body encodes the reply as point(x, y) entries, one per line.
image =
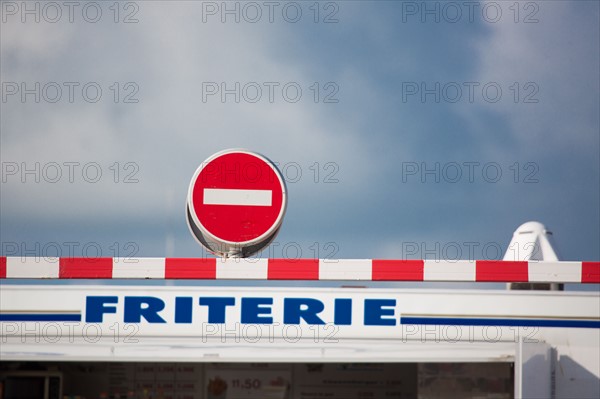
point(345, 269)
point(558, 272)
point(449, 270)
point(226, 196)
point(139, 268)
point(32, 267)
point(242, 269)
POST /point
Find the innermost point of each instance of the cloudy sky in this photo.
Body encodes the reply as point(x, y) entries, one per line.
point(404, 129)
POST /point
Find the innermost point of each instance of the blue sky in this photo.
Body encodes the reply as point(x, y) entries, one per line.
point(356, 140)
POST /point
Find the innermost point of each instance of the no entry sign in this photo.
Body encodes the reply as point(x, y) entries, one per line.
point(236, 203)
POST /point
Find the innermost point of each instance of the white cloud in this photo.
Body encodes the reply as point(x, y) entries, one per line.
point(169, 54)
point(553, 61)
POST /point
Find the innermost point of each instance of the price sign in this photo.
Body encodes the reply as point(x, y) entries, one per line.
point(247, 384)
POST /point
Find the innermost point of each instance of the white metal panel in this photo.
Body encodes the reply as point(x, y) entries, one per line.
point(352, 269)
point(246, 268)
point(192, 349)
point(577, 369)
point(567, 272)
point(407, 308)
point(533, 370)
point(32, 267)
point(444, 270)
point(134, 267)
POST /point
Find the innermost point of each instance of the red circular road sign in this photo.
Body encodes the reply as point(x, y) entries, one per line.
point(236, 203)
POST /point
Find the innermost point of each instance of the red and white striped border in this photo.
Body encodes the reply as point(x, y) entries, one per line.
point(300, 269)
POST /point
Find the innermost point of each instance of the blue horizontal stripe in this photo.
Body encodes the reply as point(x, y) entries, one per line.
point(455, 321)
point(40, 317)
